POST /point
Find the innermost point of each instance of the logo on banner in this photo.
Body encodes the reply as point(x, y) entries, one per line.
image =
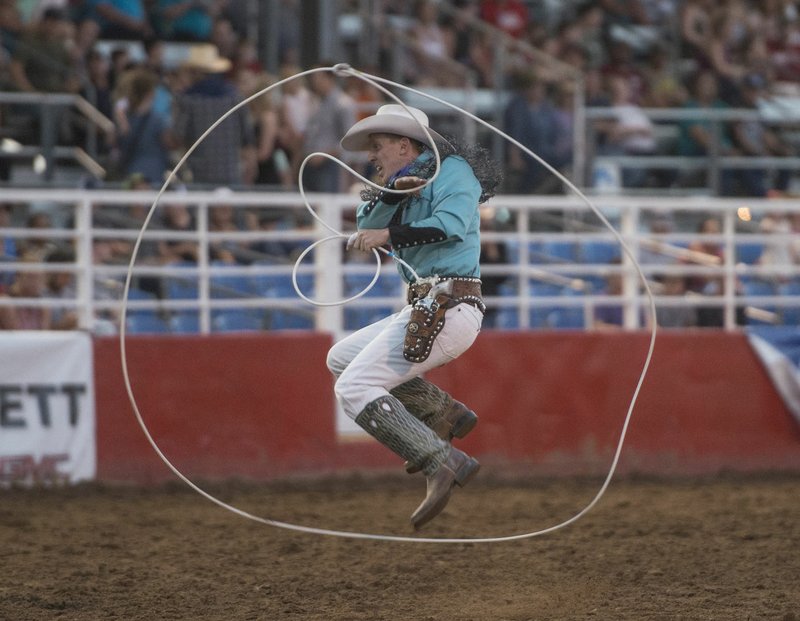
point(43, 401)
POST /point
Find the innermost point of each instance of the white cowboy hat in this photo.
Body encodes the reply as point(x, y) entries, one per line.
point(205, 57)
point(390, 119)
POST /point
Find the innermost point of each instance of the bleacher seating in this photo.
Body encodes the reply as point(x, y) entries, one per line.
point(280, 287)
point(182, 287)
point(567, 317)
point(749, 253)
point(790, 314)
point(144, 320)
point(599, 252)
point(759, 287)
point(560, 251)
point(553, 314)
point(185, 322)
point(552, 251)
point(234, 286)
point(237, 320)
point(388, 285)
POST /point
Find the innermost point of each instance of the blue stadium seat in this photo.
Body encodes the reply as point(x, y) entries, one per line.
point(237, 320)
point(233, 286)
point(552, 252)
point(759, 287)
point(182, 287)
point(560, 251)
point(355, 283)
point(280, 287)
point(185, 322)
point(791, 288)
point(791, 314)
point(391, 283)
point(357, 318)
point(134, 293)
point(507, 319)
point(749, 253)
point(262, 282)
point(512, 251)
point(602, 252)
point(595, 282)
point(537, 315)
point(386, 286)
point(507, 288)
point(289, 320)
point(538, 288)
point(144, 320)
point(568, 318)
point(555, 315)
point(536, 253)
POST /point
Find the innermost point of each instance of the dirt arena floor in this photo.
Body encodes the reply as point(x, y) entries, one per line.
point(726, 548)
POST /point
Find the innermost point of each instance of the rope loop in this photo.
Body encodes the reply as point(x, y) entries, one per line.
point(345, 70)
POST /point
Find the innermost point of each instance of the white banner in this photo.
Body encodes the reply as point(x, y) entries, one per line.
point(782, 370)
point(47, 421)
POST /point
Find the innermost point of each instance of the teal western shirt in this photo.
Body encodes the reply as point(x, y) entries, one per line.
point(449, 204)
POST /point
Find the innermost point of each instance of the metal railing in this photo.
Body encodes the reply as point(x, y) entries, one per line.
point(49, 108)
point(577, 281)
point(713, 163)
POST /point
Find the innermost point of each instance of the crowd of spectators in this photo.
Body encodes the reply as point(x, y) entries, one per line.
point(631, 55)
point(638, 55)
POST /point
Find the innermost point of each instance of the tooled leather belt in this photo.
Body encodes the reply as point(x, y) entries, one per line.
point(464, 290)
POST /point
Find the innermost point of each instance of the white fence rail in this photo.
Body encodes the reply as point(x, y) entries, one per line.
point(553, 275)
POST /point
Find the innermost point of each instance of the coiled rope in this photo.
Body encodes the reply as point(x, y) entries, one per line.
point(344, 70)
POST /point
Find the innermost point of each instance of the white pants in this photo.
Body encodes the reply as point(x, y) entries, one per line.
point(369, 362)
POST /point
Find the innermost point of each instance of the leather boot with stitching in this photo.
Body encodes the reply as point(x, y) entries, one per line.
point(457, 469)
point(457, 422)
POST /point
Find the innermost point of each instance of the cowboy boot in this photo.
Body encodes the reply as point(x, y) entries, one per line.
point(438, 410)
point(391, 424)
point(458, 469)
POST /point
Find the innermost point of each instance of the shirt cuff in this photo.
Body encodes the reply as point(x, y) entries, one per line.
point(405, 235)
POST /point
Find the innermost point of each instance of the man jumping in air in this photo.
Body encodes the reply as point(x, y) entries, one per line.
point(436, 231)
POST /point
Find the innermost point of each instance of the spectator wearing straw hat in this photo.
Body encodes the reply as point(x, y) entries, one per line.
point(220, 159)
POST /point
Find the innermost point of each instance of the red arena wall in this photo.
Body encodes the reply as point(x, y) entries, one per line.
point(218, 407)
point(261, 406)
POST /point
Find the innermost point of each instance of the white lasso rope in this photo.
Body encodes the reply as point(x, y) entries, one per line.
point(345, 70)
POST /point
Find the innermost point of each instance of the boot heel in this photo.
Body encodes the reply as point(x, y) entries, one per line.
point(467, 471)
point(464, 425)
